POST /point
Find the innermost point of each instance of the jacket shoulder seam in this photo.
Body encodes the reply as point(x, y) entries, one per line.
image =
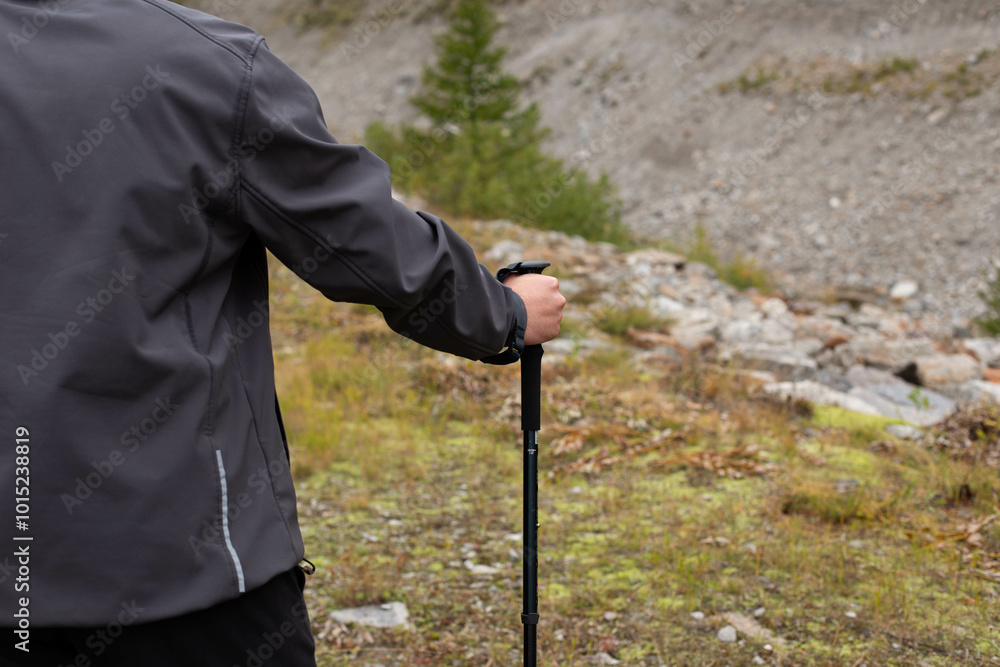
point(245, 57)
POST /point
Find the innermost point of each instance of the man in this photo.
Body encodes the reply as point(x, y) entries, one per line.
point(150, 155)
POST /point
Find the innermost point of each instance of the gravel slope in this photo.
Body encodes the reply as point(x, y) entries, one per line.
point(831, 192)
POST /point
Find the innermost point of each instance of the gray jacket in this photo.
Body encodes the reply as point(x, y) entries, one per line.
point(149, 154)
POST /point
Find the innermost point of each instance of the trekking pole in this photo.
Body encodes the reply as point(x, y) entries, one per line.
point(531, 408)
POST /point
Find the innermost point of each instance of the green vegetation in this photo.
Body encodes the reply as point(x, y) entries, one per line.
point(483, 157)
point(617, 321)
point(989, 322)
point(740, 271)
point(862, 79)
point(950, 76)
point(748, 82)
point(327, 15)
point(664, 491)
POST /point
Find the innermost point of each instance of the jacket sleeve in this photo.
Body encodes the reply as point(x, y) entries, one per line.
point(326, 211)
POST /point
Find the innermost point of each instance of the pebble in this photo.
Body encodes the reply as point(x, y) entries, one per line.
point(904, 431)
point(388, 615)
point(903, 290)
point(727, 634)
point(698, 615)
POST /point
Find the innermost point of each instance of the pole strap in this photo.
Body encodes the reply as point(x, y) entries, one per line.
point(530, 619)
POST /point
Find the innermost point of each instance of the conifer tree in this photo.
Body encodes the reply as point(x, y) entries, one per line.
point(490, 163)
point(468, 86)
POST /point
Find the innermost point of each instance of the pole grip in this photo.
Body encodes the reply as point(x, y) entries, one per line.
point(531, 388)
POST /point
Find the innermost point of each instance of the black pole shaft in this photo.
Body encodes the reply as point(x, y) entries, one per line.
point(531, 408)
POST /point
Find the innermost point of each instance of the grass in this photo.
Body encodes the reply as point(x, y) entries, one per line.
point(662, 493)
point(947, 77)
point(739, 271)
point(617, 320)
point(331, 16)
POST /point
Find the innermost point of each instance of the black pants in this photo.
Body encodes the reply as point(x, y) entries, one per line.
point(265, 627)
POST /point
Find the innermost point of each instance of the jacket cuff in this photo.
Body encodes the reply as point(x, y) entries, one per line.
point(515, 340)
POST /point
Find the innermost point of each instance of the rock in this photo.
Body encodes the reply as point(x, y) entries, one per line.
point(750, 627)
point(938, 115)
point(603, 658)
point(905, 402)
point(774, 308)
point(700, 270)
point(986, 350)
point(665, 307)
point(654, 257)
point(722, 306)
point(388, 615)
point(770, 332)
point(903, 290)
point(979, 390)
point(481, 570)
point(877, 351)
point(943, 370)
point(992, 375)
point(904, 431)
point(566, 346)
point(504, 252)
point(824, 328)
point(648, 340)
point(835, 341)
point(814, 392)
point(863, 376)
point(786, 363)
point(727, 634)
point(699, 336)
point(833, 377)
